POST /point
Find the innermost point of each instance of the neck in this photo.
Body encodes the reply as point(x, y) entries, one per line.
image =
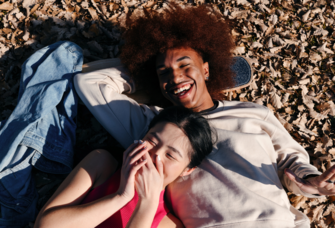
point(206, 105)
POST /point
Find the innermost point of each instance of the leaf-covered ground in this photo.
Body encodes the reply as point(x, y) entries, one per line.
point(291, 44)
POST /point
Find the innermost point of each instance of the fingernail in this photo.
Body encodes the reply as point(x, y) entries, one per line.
point(159, 158)
point(135, 141)
point(141, 142)
point(145, 147)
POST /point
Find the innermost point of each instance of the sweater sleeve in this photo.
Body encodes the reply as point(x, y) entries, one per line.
point(290, 155)
point(101, 91)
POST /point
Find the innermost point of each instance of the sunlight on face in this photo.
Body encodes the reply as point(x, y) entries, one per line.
point(182, 74)
point(173, 147)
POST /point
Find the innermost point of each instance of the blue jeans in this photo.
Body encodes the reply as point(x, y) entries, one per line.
point(41, 130)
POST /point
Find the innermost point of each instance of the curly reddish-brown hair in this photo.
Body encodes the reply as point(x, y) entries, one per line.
point(200, 28)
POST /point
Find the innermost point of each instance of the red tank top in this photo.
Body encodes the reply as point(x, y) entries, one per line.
point(120, 218)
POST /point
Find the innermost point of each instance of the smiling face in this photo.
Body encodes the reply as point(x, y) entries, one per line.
point(182, 74)
point(172, 145)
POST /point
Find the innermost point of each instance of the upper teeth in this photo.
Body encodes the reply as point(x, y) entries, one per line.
point(185, 87)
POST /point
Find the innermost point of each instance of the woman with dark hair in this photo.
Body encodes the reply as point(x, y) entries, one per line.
point(96, 195)
point(183, 55)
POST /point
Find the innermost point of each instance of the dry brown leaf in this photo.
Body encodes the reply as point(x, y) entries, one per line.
point(34, 8)
point(275, 100)
point(269, 31)
point(6, 30)
point(288, 110)
point(151, 3)
point(239, 50)
point(326, 128)
point(324, 48)
point(6, 6)
point(93, 13)
point(318, 116)
point(316, 213)
point(84, 4)
point(114, 18)
point(306, 16)
point(285, 99)
point(239, 14)
point(298, 201)
point(332, 108)
point(319, 148)
point(124, 4)
point(271, 107)
point(96, 8)
point(314, 57)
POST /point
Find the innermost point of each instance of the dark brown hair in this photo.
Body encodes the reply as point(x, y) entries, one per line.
point(194, 126)
point(200, 28)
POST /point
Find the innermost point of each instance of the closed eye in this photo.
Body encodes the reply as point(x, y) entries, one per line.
point(170, 156)
point(152, 142)
point(184, 65)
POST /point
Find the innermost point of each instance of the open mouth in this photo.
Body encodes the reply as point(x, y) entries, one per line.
point(182, 91)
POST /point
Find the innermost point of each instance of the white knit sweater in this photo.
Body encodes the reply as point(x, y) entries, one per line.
point(240, 184)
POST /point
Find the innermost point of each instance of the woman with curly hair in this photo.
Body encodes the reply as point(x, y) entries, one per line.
point(183, 56)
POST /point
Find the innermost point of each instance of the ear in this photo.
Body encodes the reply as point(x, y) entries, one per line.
point(205, 67)
point(187, 171)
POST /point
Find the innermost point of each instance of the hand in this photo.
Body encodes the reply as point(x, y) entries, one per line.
point(149, 180)
point(133, 160)
point(315, 185)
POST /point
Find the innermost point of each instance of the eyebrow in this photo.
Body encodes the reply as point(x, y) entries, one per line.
point(170, 147)
point(178, 60)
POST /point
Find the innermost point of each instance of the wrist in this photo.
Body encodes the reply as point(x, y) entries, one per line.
point(124, 197)
point(151, 202)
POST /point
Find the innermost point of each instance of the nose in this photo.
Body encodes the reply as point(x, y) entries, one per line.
point(175, 76)
point(154, 153)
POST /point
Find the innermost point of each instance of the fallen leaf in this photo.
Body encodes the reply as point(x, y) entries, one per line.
point(6, 6)
point(297, 201)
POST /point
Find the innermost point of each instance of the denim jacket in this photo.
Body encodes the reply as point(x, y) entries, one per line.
point(41, 130)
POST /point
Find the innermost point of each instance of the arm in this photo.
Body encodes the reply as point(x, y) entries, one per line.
point(316, 185)
point(102, 92)
point(291, 155)
point(149, 184)
point(64, 209)
point(144, 213)
point(65, 201)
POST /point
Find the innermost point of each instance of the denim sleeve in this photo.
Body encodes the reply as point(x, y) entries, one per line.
point(41, 130)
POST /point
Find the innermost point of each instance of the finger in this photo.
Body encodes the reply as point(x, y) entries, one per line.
point(150, 163)
point(129, 149)
point(328, 175)
point(329, 187)
point(133, 153)
point(136, 167)
point(139, 156)
point(140, 144)
point(159, 165)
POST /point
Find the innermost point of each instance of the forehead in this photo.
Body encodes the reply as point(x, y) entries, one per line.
point(172, 136)
point(172, 55)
